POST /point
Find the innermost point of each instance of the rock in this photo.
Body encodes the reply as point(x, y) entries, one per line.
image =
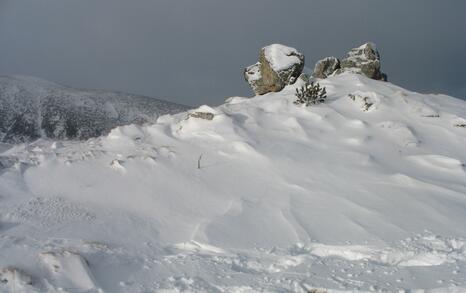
point(69, 270)
point(460, 122)
point(363, 60)
point(253, 76)
point(304, 77)
point(367, 101)
point(326, 67)
point(202, 115)
point(278, 67)
point(7, 162)
point(14, 278)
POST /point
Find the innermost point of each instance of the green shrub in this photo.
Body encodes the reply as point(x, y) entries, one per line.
point(310, 94)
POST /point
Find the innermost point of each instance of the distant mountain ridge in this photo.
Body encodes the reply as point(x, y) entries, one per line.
point(31, 108)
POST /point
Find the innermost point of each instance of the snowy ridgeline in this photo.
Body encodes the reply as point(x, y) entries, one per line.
point(31, 108)
point(365, 192)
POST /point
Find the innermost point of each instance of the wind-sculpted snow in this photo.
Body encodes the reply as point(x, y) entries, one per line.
point(366, 192)
point(31, 108)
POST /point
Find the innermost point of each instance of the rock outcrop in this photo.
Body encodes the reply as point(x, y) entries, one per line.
point(278, 67)
point(326, 67)
point(202, 115)
point(363, 60)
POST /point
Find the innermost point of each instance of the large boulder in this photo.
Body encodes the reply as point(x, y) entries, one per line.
point(278, 67)
point(326, 67)
point(363, 60)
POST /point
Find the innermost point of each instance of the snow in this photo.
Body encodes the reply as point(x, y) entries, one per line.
point(281, 57)
point(371, 45)
point(253, 72)
point(360, 56)
point(32, 108)
point(14, 280)
point(68, 270)
point(365, 192)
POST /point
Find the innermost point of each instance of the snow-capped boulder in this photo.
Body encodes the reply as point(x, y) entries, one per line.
point(31, 108)
point(363, 60)
point(278, 67)
point(326, 67)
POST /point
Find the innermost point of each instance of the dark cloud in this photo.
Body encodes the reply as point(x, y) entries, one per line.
point(193, 51)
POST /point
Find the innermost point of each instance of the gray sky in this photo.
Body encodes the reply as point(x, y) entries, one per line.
point(194, 51)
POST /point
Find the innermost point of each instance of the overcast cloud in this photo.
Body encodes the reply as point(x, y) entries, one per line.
point(194, 51)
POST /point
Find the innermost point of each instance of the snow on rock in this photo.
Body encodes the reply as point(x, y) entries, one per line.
point(281, 57)
point(118, 166)
point(349, 195)
point(364, 60)
point(459, 122)
point(202, 115)
point(204, 112)
point(367, 101)
point(278, 66)
point(253, 75)
point(68, 270)
point(14, 280)
point(326, 67)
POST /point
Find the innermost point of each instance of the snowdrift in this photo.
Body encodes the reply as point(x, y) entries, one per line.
point(365, 192)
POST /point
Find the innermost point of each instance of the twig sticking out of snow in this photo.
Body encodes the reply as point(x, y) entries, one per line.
point(199, 162)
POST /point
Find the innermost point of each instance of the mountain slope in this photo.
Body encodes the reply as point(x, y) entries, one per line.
point(31, 108)
point(365, 192)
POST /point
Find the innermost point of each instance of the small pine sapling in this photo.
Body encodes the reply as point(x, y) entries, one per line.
point(310, 94)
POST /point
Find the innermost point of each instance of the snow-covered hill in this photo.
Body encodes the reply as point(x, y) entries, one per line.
point(365, 192)
point(31, 108)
